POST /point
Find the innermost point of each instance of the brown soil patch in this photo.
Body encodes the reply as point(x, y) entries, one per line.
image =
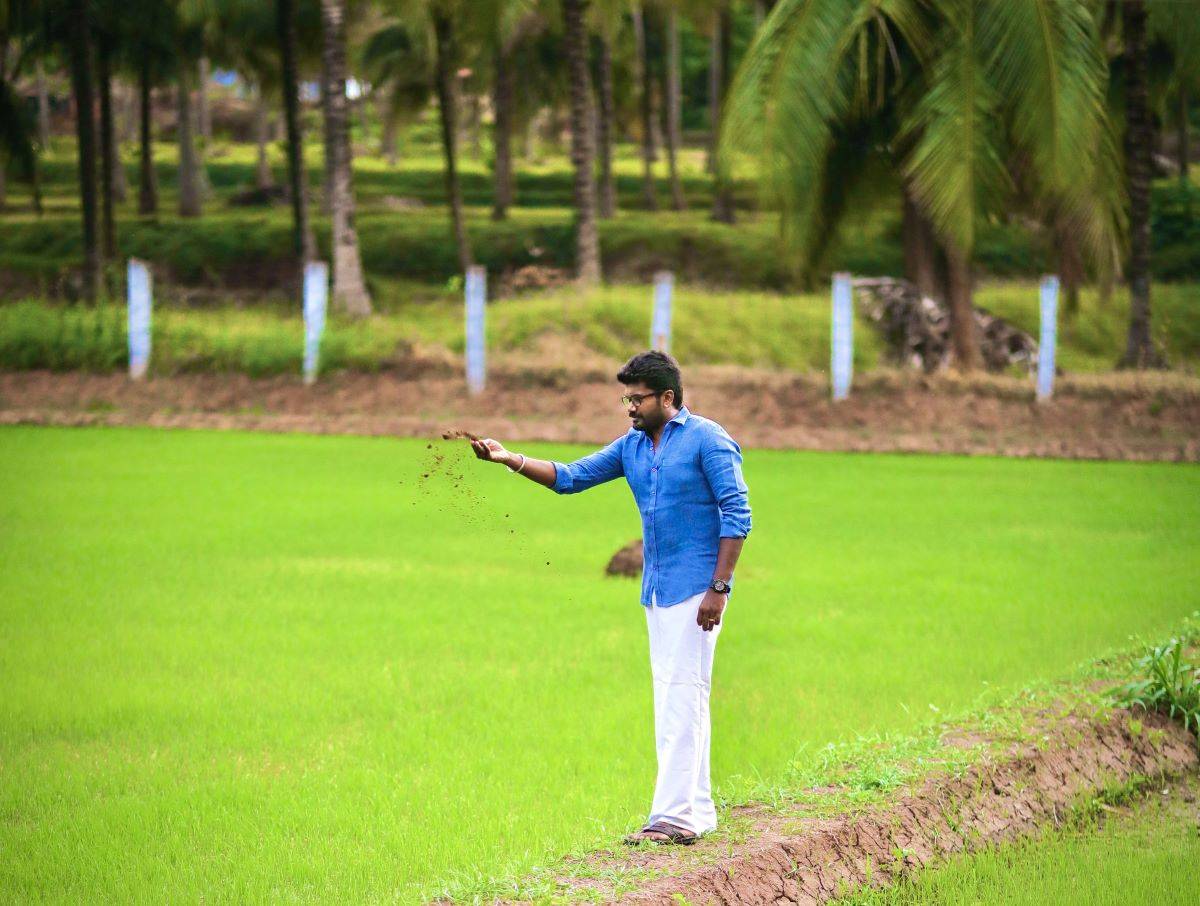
point(1139, 417)
point(795, 856)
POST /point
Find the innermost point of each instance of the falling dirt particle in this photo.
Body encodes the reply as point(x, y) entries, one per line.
point(459, 434)
point(426, 475)
point(429, 446)
point(547, 562)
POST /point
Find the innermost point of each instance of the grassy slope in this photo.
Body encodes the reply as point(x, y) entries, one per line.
point(710, 327)
point(1147, 856)
point(251, 667)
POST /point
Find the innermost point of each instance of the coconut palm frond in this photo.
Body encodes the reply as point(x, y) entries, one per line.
point(955, 168)
point(1044, 58)
point(783, 101)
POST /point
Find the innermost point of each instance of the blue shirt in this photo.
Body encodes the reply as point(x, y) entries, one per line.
point(690, 492)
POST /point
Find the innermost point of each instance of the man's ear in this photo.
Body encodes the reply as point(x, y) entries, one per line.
point(668, 400)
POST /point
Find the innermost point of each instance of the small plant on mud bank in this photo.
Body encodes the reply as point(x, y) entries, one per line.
point(1167, 683)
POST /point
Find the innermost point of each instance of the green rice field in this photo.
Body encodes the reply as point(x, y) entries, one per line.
point(1147, 855)
point(242, 667)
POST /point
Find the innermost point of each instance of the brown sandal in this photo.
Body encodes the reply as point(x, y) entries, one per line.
point(674, 835)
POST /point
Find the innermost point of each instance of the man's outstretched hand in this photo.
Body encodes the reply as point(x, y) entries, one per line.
point(711, 608)
point(490, 450)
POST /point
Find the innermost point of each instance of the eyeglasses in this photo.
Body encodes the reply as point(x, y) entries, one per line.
point(635, 399)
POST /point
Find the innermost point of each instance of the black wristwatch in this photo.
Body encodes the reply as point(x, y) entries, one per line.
point(720, 586)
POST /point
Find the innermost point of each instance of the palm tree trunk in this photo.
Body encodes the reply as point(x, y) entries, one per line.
point(447, 91)
point(587, 240)
point(262, 132)
point(147, 188)
point(920, 252)
point(1070, 267)
point(120, 181)
point(722, 210)
point(107, 150)
point(502, 98)
point(646, 107)
point(349, 289)
point(387, 136)
point(203, 111)
point(964, 332)
point(674, 109)
point(1184, 150)
point(604, 132)
point(85, 129)
point(302, 237)
point(1139, 348)
point(43, 105)
point(189, 178)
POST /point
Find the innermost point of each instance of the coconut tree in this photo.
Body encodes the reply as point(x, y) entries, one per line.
point(718, 84)
point(605, 22)
point(79, 27)
point(444, 14)
point(349, 288)
point(946, 94)
point(20, 39)
point(515, 21)
point(398, 62)
point(1140, 351)
point(644, 76)
point(289, 50)
point(587, 241)
point(673, 79)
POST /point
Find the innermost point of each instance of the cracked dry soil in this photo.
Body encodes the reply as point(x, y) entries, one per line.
point(795, 856)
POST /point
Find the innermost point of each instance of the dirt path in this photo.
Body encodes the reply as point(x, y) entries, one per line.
point(795, 855)
point(1140, 417)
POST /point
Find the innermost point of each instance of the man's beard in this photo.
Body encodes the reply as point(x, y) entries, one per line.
point(639, 423)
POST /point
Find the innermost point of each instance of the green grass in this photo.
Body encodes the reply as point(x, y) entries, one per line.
point(710, 327)
point(1146, 856)
point(286, 667)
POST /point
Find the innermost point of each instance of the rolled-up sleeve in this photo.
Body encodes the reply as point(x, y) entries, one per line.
point(721, 459)
point(596, 468)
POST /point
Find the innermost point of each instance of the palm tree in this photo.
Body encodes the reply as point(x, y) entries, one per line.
point(605, 24)
point(515, 20)
point(444, 29)
point(398, 62)
point(587, 241)
point(19, 135)
point(147, 185)
point(645, 81)
point(944, 94)
point(189, 159)
point(718, 85)
point(674, 98)
point(109, 156)
point(1140, 351)
point(349, 288)
point(79, 28)
point(302, 238)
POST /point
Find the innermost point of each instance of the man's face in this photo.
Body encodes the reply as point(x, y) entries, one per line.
point(647, 409)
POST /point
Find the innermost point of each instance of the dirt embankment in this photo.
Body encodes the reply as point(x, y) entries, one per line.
point(795, 856)
point(1140, 417)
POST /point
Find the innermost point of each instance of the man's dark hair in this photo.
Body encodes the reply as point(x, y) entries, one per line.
point(656, 370)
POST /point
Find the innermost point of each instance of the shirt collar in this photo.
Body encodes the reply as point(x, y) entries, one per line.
point(681, 416)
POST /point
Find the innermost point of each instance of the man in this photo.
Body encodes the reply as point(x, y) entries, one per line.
point(685, 472)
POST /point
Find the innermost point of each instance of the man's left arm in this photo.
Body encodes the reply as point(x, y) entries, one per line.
point(721, 460)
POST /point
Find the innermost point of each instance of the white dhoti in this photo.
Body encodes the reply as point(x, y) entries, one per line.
point(681, 661)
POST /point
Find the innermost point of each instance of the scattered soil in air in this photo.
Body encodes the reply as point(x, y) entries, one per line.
point(459, 434)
